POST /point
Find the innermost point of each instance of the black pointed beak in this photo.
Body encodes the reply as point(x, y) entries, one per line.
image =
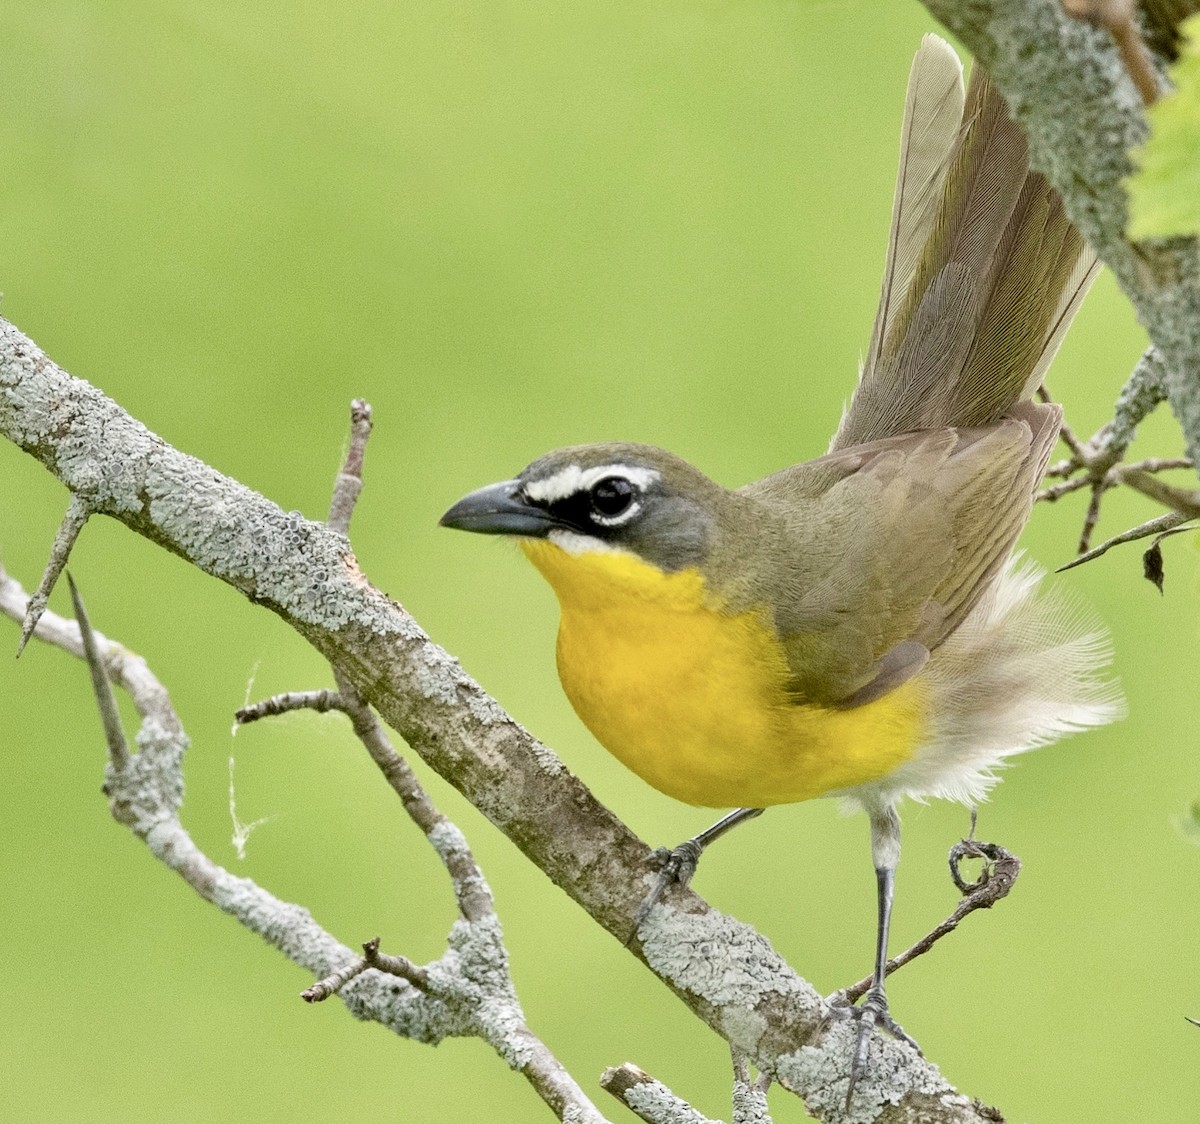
point(497, 510)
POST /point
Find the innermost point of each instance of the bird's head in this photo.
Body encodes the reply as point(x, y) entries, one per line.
point(611, 497)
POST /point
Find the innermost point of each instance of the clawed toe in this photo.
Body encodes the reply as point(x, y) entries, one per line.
point(679, 863)
point(678, 866)
point(871, 1014)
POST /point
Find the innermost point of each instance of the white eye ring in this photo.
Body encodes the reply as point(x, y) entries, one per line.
point(616, 520)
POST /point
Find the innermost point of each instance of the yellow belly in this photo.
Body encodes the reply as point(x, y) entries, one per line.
point(694, 699)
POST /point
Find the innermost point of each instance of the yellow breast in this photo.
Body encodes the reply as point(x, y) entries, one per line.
point(694, 699)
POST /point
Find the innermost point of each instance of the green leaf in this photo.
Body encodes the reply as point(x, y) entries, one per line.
point(1164, 194)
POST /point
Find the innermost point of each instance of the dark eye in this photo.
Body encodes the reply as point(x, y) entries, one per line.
point(612, 496)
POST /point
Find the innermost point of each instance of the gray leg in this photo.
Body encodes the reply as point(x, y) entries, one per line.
point(885, 851)
point(679, 864)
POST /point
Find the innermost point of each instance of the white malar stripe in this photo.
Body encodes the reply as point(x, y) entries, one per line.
point(571, 480)
point(575, 543)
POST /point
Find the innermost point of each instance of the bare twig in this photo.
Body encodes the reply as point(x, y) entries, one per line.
point(1110, 479)
point(372, 958)
point(60, 551)
point(1057, 491)
point(1185, 501)
point(473, 979)
point(994, 882)
point(1099, 480)
point(114, 736)
point(1065, 433)
point(321, 701)
point(1098, 461)
point(471, 890)
point(349, 482)
point(473, 995)
point(146, 790)
point(1155, 526)
point(395, 965)
point(332, 984)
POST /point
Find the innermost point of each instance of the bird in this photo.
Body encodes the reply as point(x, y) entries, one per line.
point(859, 625)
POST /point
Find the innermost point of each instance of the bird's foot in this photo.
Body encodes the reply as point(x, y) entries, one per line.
point(678, 866)
point(872, 1013)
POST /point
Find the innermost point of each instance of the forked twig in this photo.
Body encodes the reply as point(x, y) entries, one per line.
point(1095, 464)
point(471, 983)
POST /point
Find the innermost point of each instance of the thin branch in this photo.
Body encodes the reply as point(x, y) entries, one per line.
point(1151, 527)
point(68, 531)
point(372, 958)
point(468, 992)
point(332, 984)
point(1112, 478)
point(1099, 481)
point(1185, 501)
point(145, 793)
point(321, 701)
point(994, 882)
point(349, 482)
point(471, 890)
point(396, 965)
point(114, 736)
point(1065, 434)
point(479, 983)
point(1144, 390)
point(1057, 491)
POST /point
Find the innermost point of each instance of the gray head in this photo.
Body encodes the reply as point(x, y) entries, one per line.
point(619, 495)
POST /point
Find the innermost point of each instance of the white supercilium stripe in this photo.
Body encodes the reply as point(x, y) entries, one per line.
point(573, 479)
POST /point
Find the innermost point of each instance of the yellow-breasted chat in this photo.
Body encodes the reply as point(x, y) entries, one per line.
point(855, 625)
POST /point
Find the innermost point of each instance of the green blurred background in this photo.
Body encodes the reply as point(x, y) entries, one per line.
point(510, 226)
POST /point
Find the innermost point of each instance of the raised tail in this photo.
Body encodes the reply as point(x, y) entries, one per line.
point(984, 271)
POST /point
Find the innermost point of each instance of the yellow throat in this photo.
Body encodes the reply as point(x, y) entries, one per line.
point(695, 700)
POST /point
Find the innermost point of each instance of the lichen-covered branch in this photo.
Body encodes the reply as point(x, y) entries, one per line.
point(649, 1099)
